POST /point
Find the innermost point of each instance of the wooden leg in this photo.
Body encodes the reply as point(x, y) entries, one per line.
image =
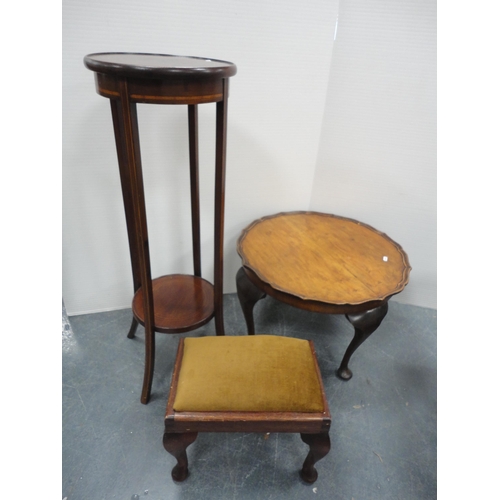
point(149, 365)
point(126, 114)
point(319, 446)
point(220, 183)
point(126, 183)
point(365, 324)
point(248, 295)
point(176, 444)
point(133, 328)
point(195, 190)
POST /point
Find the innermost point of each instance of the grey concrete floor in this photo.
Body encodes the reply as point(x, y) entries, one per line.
point(383, 429)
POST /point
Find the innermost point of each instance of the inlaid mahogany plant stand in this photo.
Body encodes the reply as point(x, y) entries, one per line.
point(259, 383)
point(322, 263)
point(175, 303)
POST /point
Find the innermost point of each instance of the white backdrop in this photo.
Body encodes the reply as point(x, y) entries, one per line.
point(332, 109)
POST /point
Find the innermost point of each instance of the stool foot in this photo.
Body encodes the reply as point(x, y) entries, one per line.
point(319, 446)
point(365, 324)
point(133, 329)
point(248, 295)
point(176, 444)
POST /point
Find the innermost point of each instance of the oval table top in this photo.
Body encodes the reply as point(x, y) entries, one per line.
point(324, 258)
point(142, 65)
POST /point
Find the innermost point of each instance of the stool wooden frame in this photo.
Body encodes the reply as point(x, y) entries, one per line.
point(181, 428)
point(176, 303)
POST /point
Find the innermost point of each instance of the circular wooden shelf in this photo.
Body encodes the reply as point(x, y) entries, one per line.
point(181, 303)
point(324, 258)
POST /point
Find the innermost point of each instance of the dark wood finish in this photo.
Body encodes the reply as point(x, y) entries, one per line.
point(131, 133)
point(319, 446)
point(160, 78)
point(315, 424)
point(365, 324)
point(195, 190)
point(248, 295)
point(126, 184)
point(321, 263)
point(169, 67)
point(131, 78)
point(133, 328)
point(220, 183)
point(125, 180)
point(176, 444)
point(181, 303)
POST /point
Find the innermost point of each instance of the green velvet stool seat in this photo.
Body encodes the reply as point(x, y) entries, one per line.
point(261, 383)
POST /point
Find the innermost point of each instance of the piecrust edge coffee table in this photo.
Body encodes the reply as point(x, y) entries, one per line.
point(321, 263)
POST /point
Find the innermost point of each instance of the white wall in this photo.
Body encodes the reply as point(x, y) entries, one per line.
point(286, 149)
point(377, 155)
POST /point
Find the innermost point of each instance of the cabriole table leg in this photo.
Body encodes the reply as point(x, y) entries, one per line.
point(365, 324)
point(248, 295)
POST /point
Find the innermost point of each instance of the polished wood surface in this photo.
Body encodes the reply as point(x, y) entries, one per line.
point(181, 428)
point(181, 303)
point(147, 65)
point(324, 258)
point(131, 78)
point(321, 263)
point(160, 78)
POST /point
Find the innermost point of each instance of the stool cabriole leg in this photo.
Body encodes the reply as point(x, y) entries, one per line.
point(176, 444)
point(319, 446)
point(365, 324)
point(248, 295)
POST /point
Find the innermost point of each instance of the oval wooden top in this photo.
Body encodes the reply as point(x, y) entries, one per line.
point(139, 65)
point(324, 258)
point(181, 303)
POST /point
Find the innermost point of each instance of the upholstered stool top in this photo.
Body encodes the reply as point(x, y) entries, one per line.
point(248, 373)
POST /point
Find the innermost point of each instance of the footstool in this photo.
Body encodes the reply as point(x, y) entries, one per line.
point(261, 383)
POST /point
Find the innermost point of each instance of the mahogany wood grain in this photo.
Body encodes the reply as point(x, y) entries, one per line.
point(149, 66)
point(195, 189)
point(220, 184)
point(176, 444)
point(319, 446)
point(321, 263)
point(324, 258)
point(364, 325)
point(181, 303)
point(131, 135)
point(131, 78)
point(248, 295)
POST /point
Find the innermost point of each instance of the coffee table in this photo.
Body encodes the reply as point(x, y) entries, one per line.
point(322, 263)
